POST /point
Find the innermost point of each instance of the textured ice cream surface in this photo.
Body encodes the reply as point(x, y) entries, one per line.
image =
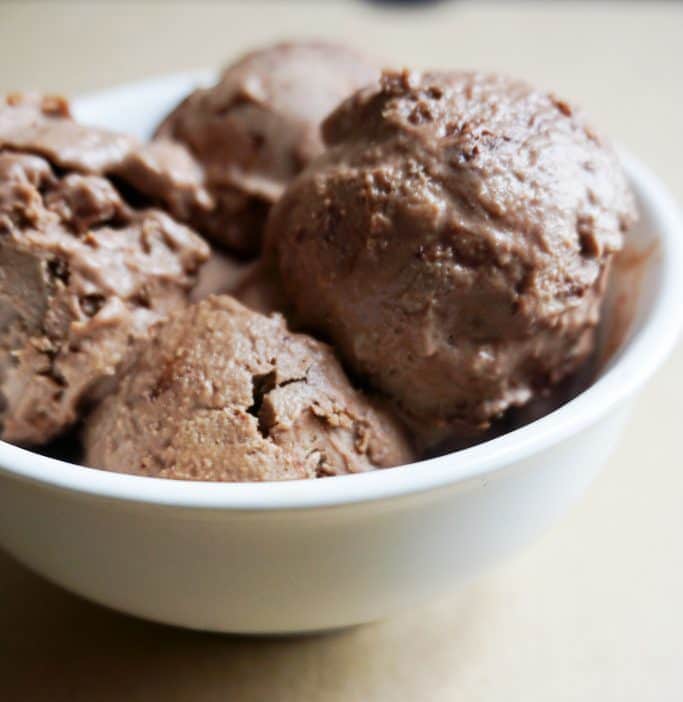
point(162, 173)
point(165, 173)
point(222, 393)
point(258, 127)
point(43, 125)
point(454, 242)
point(82, 273)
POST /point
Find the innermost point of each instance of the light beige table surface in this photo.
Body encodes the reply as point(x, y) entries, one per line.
point(594, 611)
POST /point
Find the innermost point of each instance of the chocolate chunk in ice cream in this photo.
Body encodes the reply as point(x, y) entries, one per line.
point(454, 242)
point(221, 393)
point(258, 127)
point(82, 273)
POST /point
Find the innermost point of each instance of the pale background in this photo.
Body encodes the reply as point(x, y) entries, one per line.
point(594, 610)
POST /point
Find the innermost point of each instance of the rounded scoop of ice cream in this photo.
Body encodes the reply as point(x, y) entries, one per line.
point(222, 393)
point(454, 242)
point(82, 273)
point(259, 126)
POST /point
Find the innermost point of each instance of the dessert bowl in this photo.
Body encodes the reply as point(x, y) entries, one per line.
point(301, 556)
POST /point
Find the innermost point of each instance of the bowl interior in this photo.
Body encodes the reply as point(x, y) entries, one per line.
point(633, 286)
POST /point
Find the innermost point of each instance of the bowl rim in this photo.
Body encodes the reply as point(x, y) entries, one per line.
point(636, 362)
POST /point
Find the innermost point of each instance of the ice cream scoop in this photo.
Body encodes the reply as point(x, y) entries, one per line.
point(83, 273)
point(258, 127)
point(223, 393)
point(454, 242)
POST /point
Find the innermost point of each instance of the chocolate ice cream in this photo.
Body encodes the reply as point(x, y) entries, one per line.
point(252, 283)
point(223, 393)
point(82, 272)
point(454, 242)
point(164, 173)
point(261, 290)
point(221, 274)
point(42, 125)
point(259, 127)
point(161, 173)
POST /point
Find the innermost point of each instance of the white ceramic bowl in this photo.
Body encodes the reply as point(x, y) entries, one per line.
point(311, 555)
